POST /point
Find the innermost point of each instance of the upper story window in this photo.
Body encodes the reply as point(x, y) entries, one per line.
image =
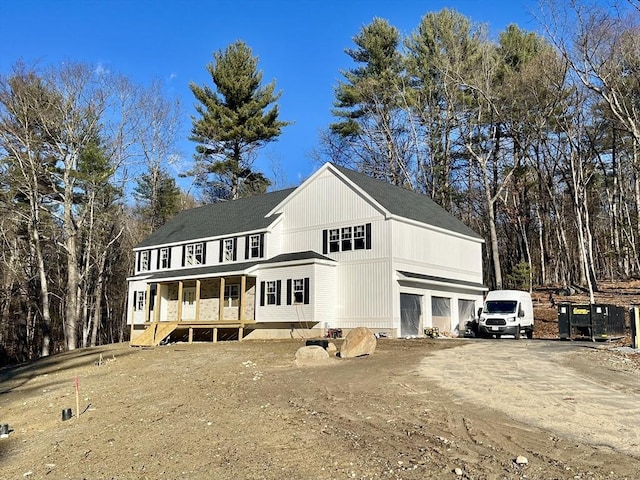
point(194, 254)
point(164, 258)
point(356, 237)
point(359, 239)
point(228, 250)
point(144, 260)
point(334, 240)
point(254, 246)
point(346, 238)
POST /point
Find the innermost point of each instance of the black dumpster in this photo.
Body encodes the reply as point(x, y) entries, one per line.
point(590, 321)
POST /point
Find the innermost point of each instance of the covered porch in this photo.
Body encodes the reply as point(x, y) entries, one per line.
point(196, 305)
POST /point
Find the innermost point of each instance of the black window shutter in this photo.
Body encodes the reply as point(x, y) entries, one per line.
point(306, 291)
point(221, 249)
point(261, 245)
point(169, 257)
point(367, 236)
point(235, 248)
point(262, 294)
point(289, 291)
point(325, 241)
point(246, 247)
point(204, 253)
point(158, 259)
point(138, 255)
point(278, 291)
point(184, 252)
point(135, 300)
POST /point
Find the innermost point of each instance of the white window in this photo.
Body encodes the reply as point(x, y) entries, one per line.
point(165, 258)
point(139, 300)
point(346, 238)
point(231, 295)
point(298, 291)
point(254, 246)
point(271, 290)
point(194, 254)
point(144, 260)
point(359, 237)
point(228, 249)
point(334, 240)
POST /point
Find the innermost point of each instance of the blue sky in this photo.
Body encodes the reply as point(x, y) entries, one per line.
point(300, 45)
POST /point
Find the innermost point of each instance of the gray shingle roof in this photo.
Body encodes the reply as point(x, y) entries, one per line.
point(224, 218)
point(407, 204)
point(248, 214)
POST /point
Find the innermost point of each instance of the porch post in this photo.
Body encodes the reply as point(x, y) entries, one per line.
point(179, 309)
point(147, 306)
point(197, 315)
point(243, 287)
point(156, 304)
point(221, 304)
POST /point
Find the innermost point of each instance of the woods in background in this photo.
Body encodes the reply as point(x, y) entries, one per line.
point(533, 140)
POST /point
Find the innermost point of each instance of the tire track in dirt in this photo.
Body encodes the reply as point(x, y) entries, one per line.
point(532, 382)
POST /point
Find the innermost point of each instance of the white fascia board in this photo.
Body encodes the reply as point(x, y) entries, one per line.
point(138, 277)
point(434, 228)
point(292, 263)
point(337, 173)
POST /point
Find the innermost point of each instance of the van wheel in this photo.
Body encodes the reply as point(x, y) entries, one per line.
point(529, 333)
point(517, 335)
point(498, 335)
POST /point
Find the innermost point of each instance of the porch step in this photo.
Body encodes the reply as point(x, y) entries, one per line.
point(154, 334)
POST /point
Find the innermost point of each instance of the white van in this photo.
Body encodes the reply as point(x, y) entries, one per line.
point(506, 312)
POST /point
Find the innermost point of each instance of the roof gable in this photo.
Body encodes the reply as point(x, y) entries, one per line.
point(218, 219)
point(406, 203)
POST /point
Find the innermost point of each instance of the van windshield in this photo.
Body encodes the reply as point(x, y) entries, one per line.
point(500, 306)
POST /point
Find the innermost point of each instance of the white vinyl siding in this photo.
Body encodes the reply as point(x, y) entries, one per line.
point(364, 295)
point(322, 296)
point(436, 253)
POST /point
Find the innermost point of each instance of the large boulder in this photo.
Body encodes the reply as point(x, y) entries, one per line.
point(360, 341)
point(311, 355)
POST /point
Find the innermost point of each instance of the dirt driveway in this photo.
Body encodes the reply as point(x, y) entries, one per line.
point(545, 384)
point(416, 409)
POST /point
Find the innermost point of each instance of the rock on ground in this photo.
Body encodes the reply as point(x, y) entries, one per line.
point(311, 355)
point(360, 341)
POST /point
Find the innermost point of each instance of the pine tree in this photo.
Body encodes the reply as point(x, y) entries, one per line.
point(158, 197)
point(236, 119)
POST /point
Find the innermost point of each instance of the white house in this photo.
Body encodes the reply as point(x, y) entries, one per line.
point(342, 250)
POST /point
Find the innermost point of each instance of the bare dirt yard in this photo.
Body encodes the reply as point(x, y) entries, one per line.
point(415, 409)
